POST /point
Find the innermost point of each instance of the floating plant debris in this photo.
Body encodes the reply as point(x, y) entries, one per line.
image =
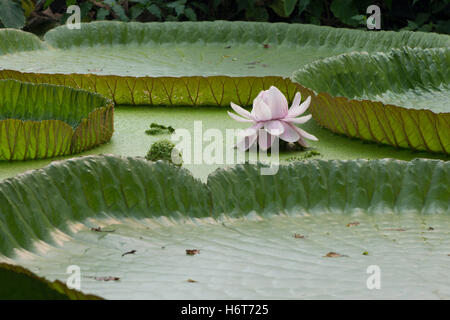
point(129, 252)
point(165, 150)
point(99, 229)
point(109, 278)
point(157, 129)
point(353, 224)
point(334, 255)
point(192, 252)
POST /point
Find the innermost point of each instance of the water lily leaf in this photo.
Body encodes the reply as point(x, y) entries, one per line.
point(14, 41)
point(398, 98)
point(42, 121)
point(242, 221)
point(19, 283)
point(193, 63)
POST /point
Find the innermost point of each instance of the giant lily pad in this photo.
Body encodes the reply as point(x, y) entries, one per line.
point(312, 230)
point(42, 121)
point(400, 98)
point(191, 63)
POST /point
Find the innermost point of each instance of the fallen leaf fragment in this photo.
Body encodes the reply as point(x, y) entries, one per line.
point(129, 252)
point(353, 224)
point(334, 255)
point(106, 278)
point(190, 280)
point(99, 229)
point(192, 252)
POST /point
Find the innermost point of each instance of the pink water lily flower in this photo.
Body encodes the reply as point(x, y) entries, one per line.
point(272, 118)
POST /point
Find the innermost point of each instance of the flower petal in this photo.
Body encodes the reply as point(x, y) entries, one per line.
point(238, 118)
point(252, 130)
point(289, 134)
point(261, 111)
point(265, 140)
point(241, 111)
point(304, 134)
point(277, 102)
point(295, 111)
point(298, 120)
point(246, 142)
point(247, 137)
point(302, 142)
point(297, 100)
point(274, 127)
point(307, 135)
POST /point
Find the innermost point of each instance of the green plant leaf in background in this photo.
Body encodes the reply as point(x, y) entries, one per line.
point(28, 7)
point(346, 11)
point(41, 121)
point(11, 14)
point(284, 8)
point(89, 211)
point(19, 283)
point(118, 9)
point(398, 98)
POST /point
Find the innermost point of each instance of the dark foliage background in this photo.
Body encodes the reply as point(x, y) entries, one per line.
point(423, 15)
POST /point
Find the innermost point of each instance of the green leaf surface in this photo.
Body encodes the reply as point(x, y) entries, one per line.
point(41, 121)
point(19, 283)
point(112, 54)
point(244, 225)
point(398, 98)
point(13, 41)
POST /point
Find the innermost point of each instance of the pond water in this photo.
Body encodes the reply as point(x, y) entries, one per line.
point(130, 139)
